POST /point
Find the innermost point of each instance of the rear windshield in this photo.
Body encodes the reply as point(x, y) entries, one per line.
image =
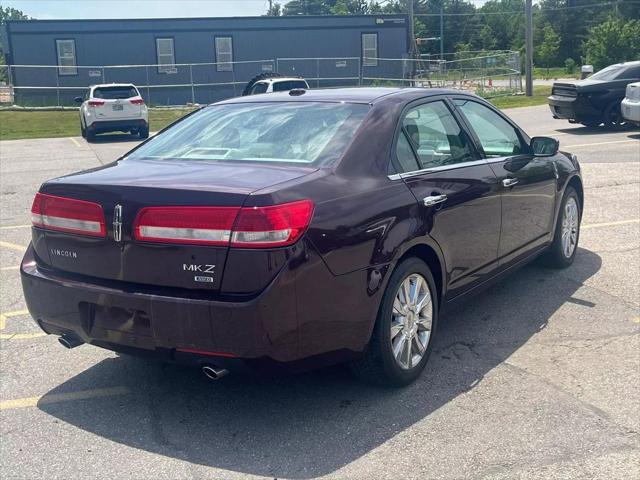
point(294, 132)
point(114, 93)
point(289, 85)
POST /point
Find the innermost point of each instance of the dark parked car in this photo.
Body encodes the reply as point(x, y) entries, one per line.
point(596, 99)
point(299, 230)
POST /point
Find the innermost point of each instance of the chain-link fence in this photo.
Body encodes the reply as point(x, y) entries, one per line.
point(491, 74)
point(201, 83)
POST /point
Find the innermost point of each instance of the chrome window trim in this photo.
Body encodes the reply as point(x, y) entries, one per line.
point(398, 176)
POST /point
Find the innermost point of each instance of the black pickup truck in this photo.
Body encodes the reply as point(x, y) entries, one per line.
point(596, 99)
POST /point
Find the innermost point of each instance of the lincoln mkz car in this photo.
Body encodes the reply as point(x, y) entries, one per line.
point(299, 229)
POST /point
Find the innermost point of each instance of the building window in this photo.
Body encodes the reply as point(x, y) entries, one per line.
point(370, 49)
point(166, 58)
point(66, 57)
point(224, 54)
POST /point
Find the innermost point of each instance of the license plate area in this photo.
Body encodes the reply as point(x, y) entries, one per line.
point(118, 107)
point(125, 326)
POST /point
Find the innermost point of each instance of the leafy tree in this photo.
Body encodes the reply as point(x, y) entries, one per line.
point(547, 51)
point(8, 13)
point(570, 66)
point(615, 40)
point(275, 10)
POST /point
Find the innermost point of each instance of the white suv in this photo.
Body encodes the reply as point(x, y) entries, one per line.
point(631, 104)
point(113, 107)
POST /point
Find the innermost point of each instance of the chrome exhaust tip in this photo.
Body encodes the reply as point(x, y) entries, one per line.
point(70, 341)
point(214, 373)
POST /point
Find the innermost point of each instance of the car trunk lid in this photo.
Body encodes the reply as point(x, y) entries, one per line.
point(123, 189)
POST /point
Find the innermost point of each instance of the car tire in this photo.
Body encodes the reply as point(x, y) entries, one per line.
point(83, 131)
point(90, 135)
point(143, 132)
point(561, 254)
point(613, 118)
point(379, 363)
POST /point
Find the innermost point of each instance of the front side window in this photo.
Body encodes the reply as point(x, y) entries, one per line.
point(497, 136)
point(433, 137)
point(224, 54)
point(370, 49)
point(66, 57)
point(165, 55)
point(259, 88)
point(290, 132)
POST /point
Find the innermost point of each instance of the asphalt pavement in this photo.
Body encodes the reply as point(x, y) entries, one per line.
point(538, 377)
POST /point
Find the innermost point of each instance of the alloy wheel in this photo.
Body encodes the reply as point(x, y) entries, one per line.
point(570, 225)
point(411, 321)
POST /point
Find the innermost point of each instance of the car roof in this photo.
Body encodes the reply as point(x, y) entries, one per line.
point(102, 85)
point(281, 79)
point(369, 95)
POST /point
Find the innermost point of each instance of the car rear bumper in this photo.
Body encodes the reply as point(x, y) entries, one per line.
point(631, 110)
point(122, 125)
point(273, 328)
point(575, 109)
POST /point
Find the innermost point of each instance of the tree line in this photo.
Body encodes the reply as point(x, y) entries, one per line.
point(566, 32)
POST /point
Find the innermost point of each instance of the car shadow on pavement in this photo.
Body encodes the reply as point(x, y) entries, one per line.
point(591, 131)
point(313, 424)
point(116, 137)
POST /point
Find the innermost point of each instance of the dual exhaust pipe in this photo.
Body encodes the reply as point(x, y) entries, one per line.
point(210, 371)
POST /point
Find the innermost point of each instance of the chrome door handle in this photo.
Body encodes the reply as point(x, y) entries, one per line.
point(434, 200)
point(509, 182)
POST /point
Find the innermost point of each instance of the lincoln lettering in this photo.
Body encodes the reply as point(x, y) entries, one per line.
point(63, 253)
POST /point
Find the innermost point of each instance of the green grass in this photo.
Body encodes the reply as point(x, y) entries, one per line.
point(554, 73)
point(539, 97)
point(16, 125)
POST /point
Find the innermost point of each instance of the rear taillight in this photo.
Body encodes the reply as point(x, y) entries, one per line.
point(68, 215)
point(196, 225)
point(137, 101)
point(247, 227)
point(96, 103)
point(273, 226)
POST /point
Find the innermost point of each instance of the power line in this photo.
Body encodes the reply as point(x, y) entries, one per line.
point(518, 12)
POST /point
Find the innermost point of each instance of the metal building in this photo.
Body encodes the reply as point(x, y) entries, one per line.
point(175, 61)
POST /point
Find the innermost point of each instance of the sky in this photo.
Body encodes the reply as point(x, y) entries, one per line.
point(54, 9)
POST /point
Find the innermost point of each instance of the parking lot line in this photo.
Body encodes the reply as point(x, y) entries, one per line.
point(15, 267)
point(611, 224)
point(62, 397)
point(4, 316)
point(598, 143)
point(12, 246)
point(11, 227)
point(75, 142)
point(21, 336)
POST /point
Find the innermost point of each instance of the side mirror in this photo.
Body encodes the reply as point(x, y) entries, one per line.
point(78, 100)
point(544, 146)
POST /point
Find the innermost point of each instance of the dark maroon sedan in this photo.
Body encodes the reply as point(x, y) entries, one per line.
point(299, 229)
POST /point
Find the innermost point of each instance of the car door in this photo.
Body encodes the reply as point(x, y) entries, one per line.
point(456, 190)
point(529, 183)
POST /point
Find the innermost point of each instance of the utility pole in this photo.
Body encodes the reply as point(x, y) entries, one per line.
point(528, 66)
point(412, 34)
point(442, 32)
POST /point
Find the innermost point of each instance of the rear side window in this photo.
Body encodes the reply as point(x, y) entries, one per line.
point(497, 136)
point(431, 137)
point(114, 93)
point(290, 132)
point(289, 85)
